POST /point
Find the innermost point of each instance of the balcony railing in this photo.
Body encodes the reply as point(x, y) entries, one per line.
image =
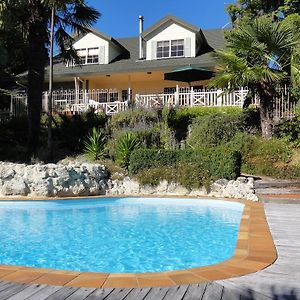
point(112, 101)
point(190, 97)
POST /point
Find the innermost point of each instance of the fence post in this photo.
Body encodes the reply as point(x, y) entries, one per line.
point(219, 97)
point(192, 97)
point(177, 95)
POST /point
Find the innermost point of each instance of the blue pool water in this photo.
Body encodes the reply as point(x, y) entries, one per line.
point(118, 234)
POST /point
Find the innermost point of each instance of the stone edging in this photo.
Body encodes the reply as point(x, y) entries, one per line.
point(77, 179)
point(254, 251)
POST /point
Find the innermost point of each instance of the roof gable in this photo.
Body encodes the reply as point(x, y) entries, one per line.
point(100, 35)
point(170, 19)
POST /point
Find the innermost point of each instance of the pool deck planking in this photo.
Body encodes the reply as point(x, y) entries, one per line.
point(279, 281)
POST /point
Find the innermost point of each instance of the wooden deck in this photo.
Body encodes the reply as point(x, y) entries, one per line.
point(281, 281)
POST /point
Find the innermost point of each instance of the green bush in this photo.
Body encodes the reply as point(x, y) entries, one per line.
point(190, 168)
point(94, 144)
point(180, 119)
point(126, 144)
point(289, 131)
point(132, 118)
point(212, 130)
point(264, 157)
point(148, 158)
point(249, 120)
point(71, 130)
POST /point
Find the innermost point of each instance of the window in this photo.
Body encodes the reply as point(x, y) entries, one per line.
point(88, 56)
point(167, 49)
point(177, 48)
point(163, 49)
point(92, 56)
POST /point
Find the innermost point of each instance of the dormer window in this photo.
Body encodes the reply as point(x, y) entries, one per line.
point(88, 56)
point(168, 49)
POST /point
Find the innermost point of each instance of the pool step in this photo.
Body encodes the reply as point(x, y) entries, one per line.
point(278, 191)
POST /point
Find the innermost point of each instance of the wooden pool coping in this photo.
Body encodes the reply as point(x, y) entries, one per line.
point(255, 250)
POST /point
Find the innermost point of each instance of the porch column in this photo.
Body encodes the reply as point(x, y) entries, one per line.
point(76, 89)
point(129, 91)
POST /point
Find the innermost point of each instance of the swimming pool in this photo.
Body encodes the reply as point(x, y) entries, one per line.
point(118, 235)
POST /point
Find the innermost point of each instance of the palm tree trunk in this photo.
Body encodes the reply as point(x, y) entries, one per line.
point(36, 62)
point(266, 95)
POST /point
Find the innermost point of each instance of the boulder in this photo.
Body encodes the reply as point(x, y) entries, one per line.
point(15, 186)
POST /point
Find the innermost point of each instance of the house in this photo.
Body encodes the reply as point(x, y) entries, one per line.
point(145, 71)
point(111, 73)
point(138, 64)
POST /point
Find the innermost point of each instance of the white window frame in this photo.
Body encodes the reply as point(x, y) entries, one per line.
point(170, 49)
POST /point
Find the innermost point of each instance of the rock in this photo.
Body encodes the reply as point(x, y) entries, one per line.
point(130, 186)
point(176, 189)
point(198, 192)
point(15, 186)
point(216, 187)
point(222, 181)
point(6, 173)
point(80, 178)
point(147, 190)
point(242, 179)
point(162, 187)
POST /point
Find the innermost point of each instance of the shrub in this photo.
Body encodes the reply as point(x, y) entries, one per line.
point(126, 144)
point(132, 118)
point(155, 175)
point(289, 131)
point(249, 120)
point(264, 157)
point(73, 129)
point(190, 168)
point(94, 144)
point(212, 130)
point(148, 158)
point(166, 135)
point(180, 119)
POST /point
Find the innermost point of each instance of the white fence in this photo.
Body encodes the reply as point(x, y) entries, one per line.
point(74, 102)
point(110, 101)
point(186, 97)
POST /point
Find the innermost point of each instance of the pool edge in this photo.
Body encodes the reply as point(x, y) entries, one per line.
point(255, 250)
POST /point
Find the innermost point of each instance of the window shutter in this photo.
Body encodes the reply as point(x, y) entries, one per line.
point(187, 47)
point(102, 55)
point(153, 49)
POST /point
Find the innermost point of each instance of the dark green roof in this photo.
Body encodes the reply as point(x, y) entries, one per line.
point(131, 62)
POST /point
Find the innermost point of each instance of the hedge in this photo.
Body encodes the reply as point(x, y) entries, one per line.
point(212, 163)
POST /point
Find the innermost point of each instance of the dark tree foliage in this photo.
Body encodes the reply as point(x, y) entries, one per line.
point(249, 9)
point(32, 17)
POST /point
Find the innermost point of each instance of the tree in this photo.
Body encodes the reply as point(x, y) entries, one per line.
point(245, 10)
point(258, 55)
point(33, 17)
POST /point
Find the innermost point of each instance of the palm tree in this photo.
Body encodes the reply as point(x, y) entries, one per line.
point(33, 17)
point(258, 55)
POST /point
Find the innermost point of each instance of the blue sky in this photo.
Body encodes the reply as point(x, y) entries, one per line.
point(120, 18)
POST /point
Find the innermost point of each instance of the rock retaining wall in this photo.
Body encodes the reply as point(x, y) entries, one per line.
point(76, 178)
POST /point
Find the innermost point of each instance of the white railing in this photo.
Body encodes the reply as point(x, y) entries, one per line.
point(190, 97)
point(110, 101)
point(74, 102)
